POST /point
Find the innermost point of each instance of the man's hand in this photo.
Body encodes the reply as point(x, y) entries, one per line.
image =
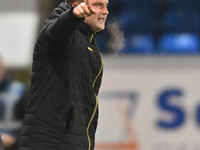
point(83, 10)
point(7, 139)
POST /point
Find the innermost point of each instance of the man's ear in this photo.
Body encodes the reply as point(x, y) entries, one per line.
point(75, 4)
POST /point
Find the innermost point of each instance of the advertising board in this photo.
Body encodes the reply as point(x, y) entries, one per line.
point(149, 108)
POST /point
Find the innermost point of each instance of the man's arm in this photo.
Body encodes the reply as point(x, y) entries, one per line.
point(65, 25)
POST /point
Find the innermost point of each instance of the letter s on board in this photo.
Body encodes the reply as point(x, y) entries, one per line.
point(164, 103)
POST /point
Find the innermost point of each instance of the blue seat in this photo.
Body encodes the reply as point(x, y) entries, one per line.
point(181, 20)
point(139, 44)
point(114, 7)
point(183, 43)
point(136, 21)
point(183, 3)
point(102, 40)
point(102, 44)
point(141, 4)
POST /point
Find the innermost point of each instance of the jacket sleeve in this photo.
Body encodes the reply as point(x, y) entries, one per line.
point(60, 30)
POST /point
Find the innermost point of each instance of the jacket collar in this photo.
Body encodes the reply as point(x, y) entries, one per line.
point(86, 30)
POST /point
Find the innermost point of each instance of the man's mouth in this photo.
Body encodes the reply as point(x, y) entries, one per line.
point(101, 19)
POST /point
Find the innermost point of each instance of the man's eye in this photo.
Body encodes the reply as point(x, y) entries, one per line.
point(99, 5)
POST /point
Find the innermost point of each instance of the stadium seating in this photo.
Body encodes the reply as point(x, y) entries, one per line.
point(183, 3)
point(167, 26)
point(141, 4)
point(183, 43)
point(181, 20)
point(102, 38)
point(136, 21)
point(139, 44)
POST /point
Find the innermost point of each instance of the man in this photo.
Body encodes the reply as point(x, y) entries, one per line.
point(66, 77)
point(13, 101)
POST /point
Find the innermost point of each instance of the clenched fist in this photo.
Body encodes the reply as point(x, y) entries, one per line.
point(83, 10)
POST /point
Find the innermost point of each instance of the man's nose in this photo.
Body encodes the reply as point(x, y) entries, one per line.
point(105, 11)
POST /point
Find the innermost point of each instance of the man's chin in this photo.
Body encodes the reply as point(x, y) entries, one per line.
point(101, 28)
point(98, 28)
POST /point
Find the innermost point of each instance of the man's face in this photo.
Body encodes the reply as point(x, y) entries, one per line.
point(97, 21)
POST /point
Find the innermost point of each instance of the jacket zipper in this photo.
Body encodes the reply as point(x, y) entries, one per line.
point(96, 105)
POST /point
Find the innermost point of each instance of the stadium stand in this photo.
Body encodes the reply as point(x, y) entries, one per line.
point(149, 24)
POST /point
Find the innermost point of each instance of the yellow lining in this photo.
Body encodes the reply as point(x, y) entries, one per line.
point(95, 109)
point(91, 38)
point(99, 71)
point(94, 112)
point(90, 49)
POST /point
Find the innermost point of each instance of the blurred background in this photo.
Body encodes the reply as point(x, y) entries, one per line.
point(149, 99)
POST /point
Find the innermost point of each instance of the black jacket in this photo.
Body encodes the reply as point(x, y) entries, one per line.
point(66, 77)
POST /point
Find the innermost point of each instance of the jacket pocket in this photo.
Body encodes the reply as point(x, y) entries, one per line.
point(69, 122)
